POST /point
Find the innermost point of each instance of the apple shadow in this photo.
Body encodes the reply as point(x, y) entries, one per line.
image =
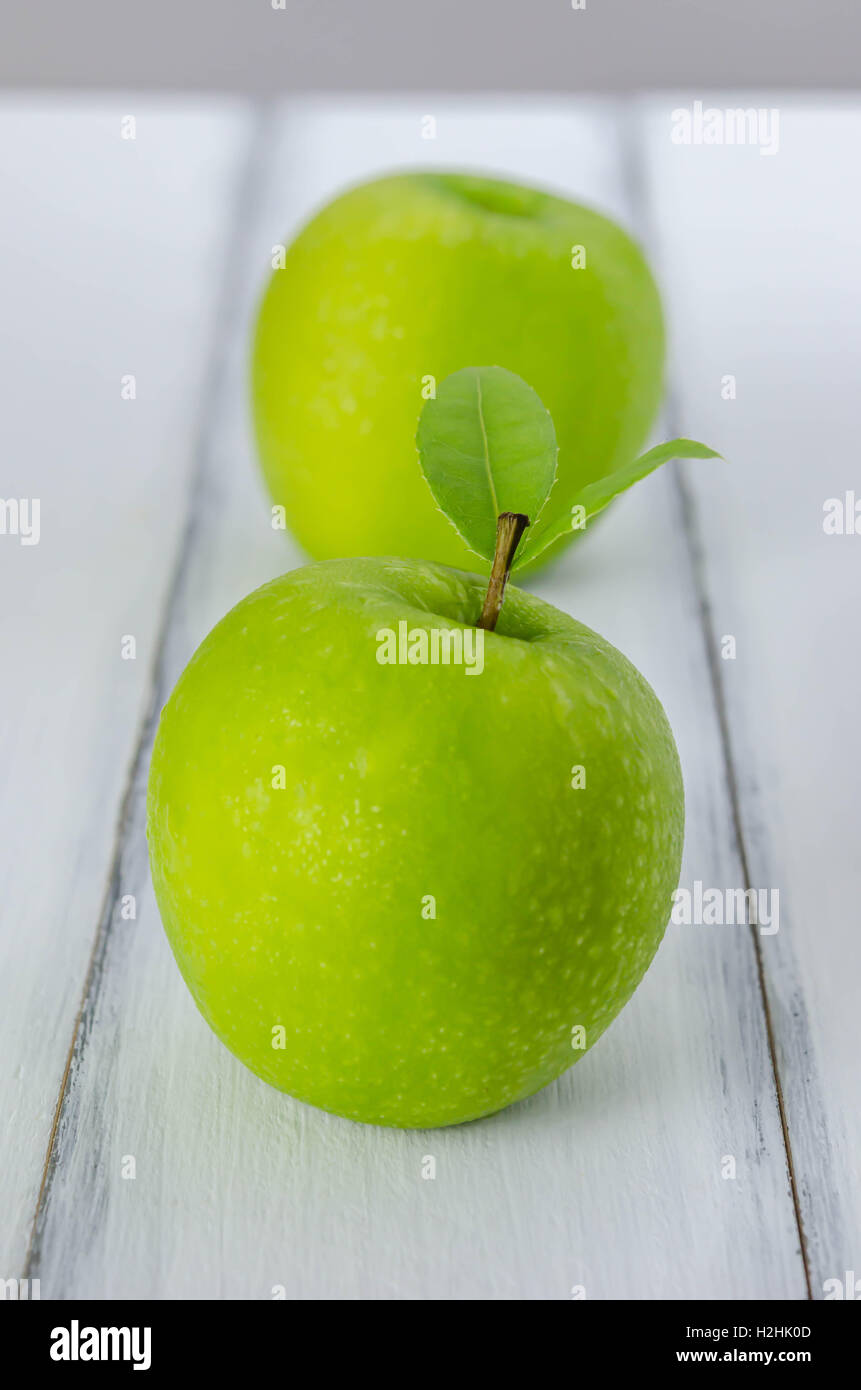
point(602, 1086)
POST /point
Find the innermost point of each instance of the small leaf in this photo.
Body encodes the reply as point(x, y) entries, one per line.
point(595, 497)
point(486, 445)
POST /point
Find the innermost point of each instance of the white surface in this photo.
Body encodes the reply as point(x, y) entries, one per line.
point(610, 1178)
point(111, 256)
point(762, 269)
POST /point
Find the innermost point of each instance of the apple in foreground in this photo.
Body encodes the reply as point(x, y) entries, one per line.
point(402, 281)
point(410, 893)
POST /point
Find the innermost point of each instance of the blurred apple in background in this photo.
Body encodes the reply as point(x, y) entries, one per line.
point(398, 283)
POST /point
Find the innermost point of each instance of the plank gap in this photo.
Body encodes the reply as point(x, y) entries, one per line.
point(694, 544)
point(249, 184)
point(633, 162)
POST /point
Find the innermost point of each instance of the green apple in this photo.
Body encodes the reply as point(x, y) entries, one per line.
point(402, 281)
point(406, 892)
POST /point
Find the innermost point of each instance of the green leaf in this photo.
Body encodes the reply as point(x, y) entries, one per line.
point(594, 498)
point(486, 445)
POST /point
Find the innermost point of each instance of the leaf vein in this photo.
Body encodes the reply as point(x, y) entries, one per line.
point(486, 449)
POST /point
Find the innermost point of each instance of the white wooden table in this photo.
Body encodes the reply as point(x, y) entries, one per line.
point(145, 257)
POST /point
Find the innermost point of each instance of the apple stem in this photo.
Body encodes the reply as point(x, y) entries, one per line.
point(509, 528)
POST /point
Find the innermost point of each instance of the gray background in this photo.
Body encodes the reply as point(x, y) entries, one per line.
point(443, 45)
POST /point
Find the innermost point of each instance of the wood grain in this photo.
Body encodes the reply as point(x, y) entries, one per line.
point(609, 1180)
point(760, 256)
point(111, 251)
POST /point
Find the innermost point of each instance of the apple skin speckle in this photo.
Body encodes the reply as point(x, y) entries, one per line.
point(294, 904)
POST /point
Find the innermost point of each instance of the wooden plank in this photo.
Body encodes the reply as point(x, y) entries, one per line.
point(111, 258)
point(761, 259)
point(611, 1178)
